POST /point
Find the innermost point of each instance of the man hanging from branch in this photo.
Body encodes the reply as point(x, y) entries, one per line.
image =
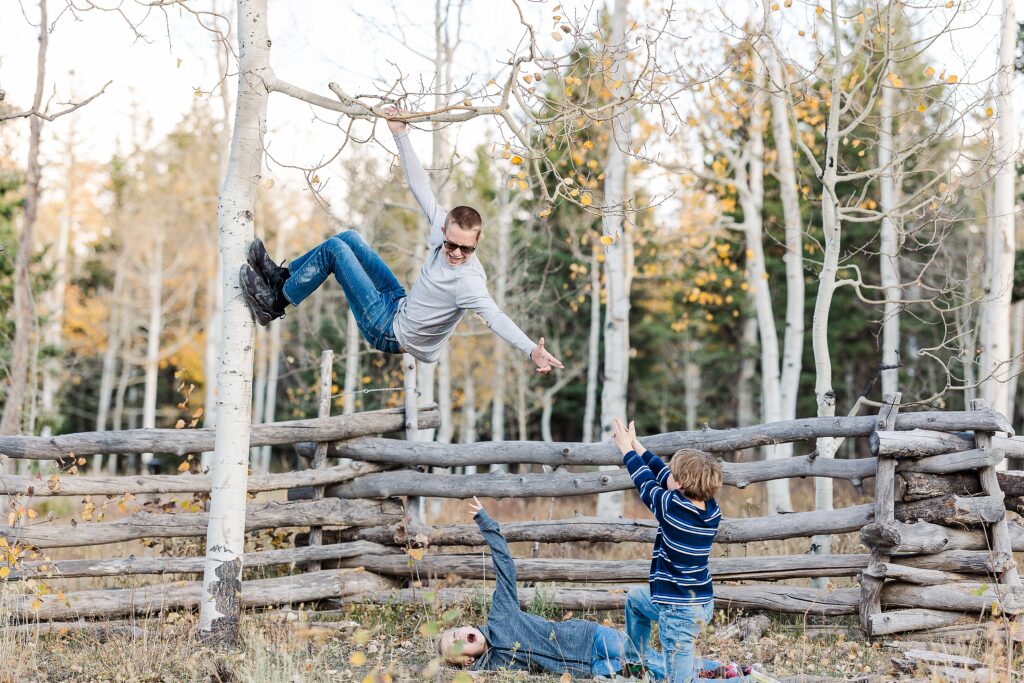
point(451, 280)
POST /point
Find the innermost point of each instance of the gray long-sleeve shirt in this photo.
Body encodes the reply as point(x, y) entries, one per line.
point(443, 293)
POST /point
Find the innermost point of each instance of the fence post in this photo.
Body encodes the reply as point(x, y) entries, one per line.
point(320, 454)
point(885, 513)
point(412, 412)
point(999, 533)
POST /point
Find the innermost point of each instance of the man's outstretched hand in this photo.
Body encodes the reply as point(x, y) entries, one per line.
point(544, 360)
point(395, 127)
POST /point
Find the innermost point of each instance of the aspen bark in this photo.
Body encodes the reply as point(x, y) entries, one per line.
point(616, 324)
point(352, 344)
point(889, 251)
point(593, 346)
point(153, 331)
point(24, 313)
point(1001, 239)
point(225, 539)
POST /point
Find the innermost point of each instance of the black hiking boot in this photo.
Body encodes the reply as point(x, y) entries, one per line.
point(265, 302)
point(273, 274)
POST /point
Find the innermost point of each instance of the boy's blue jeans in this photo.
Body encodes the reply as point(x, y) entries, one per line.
point(372, 290)
point(679, 626)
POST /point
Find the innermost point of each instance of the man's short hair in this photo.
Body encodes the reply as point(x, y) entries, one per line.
point(466, 217)
point(698, 473)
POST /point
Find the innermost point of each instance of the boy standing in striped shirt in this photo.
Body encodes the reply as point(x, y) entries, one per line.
point(680, 599)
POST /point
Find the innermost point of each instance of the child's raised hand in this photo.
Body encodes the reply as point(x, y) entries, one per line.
point(624, 436)
point(476, 506)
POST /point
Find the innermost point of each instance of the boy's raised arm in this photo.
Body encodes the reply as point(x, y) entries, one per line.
point(657, 466)
point(419, 183)
point(505, 594)
point(651, 493)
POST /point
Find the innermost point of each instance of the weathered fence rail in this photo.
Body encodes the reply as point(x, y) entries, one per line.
point(942, 549)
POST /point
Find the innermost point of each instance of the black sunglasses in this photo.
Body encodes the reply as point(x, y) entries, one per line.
point(451, 246)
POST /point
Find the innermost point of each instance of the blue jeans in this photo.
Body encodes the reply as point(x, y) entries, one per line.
point(609, 653)
point(372, 290)
point(679, 627)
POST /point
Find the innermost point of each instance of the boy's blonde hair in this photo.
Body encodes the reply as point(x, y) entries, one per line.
point(699, 474)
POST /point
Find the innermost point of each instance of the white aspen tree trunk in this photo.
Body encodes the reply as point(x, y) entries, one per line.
point(469, 413)
point(889, 250)
point(521, 416)
point(691, 384)
point(24, 314)
point(259, 391)
point(750, 186)
point(1002, 239)
point(823, 391)
point(53, 333)
point(1016, 349)
point(593, 347)
point(273, 365)
point(503, 225)
point(793, 337)
point(351, 364)
point(117, 415)
point(115, 326)
point(746, 406)
point(153, 331)
point(214, 283)
point(225, 538)
point(410, 374)
point(616, 323)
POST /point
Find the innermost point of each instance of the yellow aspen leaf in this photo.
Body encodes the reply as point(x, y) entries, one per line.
point(616, 84)
point(802, 33)
point(588, 145)
point(921, 107)
point(819, 10)
point(81, 461)
point(949, 5)
point(568, 92)
point(357, 659)
point(607, 240)
point(775, 7)
point(37, 605)
point(415, 553)
point(929, 72)
point(516, 160)
point(528, 78)
point(522, 185)
point(565, 28)
point(586, 199)
point(952, 79)
point(32, 514)
point(316, 180)
point(183, 467)
point(5, 571)
point(989, 111)
point(467, 102)
point(788, 3)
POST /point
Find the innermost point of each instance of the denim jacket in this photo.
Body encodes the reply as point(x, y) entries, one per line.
point(518, 641)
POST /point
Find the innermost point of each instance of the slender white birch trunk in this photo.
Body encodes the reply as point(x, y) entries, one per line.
point(24, 314)
point(691, 384)
point(273, 365)
point(1001, 240)
point(889, 251)
point(225, 538)
point(503, 225)
point(750, 186)
point(352, 340)
point(616, 324)
point(593, 347)
point(53, 333)
point(746, 406)
point(214, 283)
point(793, 337)
point(1016, 349)
point(259, 392)
point(831, 227)
point(521, 421)
point(115, 329)
point(469, 412)
point(153, 331)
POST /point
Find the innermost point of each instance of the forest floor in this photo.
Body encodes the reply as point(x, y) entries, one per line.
point(393, 643)
point(388, 644)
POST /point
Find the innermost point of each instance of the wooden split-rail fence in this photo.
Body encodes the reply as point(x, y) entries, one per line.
point(937, 540)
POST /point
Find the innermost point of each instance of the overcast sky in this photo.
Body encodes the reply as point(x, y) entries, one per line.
point(314, 43)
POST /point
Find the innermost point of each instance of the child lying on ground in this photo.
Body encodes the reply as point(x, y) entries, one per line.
point(515, 640)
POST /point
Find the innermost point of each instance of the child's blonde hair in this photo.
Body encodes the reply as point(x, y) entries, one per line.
point(699, 474)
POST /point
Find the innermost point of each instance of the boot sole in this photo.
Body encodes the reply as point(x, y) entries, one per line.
point(254, 306)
